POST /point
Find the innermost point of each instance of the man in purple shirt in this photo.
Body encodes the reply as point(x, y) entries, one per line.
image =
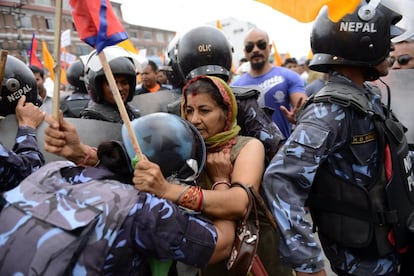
point(280, 88)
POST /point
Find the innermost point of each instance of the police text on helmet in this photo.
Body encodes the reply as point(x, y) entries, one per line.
point(204, 48)
point(357, 27)
point(16, 95)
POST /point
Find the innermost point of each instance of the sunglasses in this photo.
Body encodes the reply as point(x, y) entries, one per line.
point(261, 44)
point(402, 60)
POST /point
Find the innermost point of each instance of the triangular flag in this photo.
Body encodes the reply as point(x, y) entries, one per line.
point(34, 60)
point(97, 24)
point(48, 60)
point(310, 54)
point(63, 79)
point(127, 45)
point(307, 11)
point(218, 24)
point(276, 57)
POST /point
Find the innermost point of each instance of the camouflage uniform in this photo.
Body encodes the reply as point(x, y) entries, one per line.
point(322, 129)
point(24, 159)
point(152, 228)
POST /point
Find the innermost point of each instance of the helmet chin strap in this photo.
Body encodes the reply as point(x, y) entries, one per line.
point(374, 3)
point(388, 96)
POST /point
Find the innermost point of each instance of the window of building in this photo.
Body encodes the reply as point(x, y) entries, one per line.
point(148, 35)
point(65, 5)
point(50, 23)
point(26, 22)
point(43, 2)
point(133, 34)
point(160, 37)
point(7, 21)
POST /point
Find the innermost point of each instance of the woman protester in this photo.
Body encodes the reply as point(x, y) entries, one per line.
point(210, 106)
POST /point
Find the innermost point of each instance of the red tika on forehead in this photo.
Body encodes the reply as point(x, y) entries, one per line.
point(193, 93)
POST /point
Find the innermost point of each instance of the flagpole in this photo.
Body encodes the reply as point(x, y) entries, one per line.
point(56, 52)
point(120, 103)
point(3, 59)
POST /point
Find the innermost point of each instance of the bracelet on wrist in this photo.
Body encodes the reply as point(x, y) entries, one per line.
point(220, 183)
point(182, 193)
point(192, 198)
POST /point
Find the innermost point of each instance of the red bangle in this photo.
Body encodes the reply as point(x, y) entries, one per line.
point(200, 203)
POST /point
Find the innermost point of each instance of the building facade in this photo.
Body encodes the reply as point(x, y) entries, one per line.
point(19, 19)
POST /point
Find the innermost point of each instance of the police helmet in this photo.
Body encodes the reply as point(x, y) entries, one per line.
point(361, 39)
point(171, 142)
point(204, 50)
point(75, 76)
point(174, 74)
point(95, 74)
point(18, 80)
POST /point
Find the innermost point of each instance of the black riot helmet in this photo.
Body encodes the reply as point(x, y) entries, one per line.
point(171, 142)
point(361, 39)
point(204, 50)
point(120, 61)
point(174, 74)
point(18, 80)
point(76, 76)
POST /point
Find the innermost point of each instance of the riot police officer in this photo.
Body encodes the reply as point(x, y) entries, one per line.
point(124, 69)
point(338, 159)
point(74, 103)
point(19, 96)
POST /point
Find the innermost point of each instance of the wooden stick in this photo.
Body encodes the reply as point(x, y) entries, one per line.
point(120, 103)
point(3, 59)
point(56, 67)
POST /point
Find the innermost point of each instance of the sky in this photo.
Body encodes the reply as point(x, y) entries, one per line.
point(288, 34)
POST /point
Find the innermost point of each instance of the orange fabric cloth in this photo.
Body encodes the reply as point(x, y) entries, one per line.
point(306, 11)
point(155, 88)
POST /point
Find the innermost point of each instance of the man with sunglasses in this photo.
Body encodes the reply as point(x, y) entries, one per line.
point(280, 87)
point(402, 55)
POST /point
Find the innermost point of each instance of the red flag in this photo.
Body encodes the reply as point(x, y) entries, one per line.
point(96, 23)
point(34, 60)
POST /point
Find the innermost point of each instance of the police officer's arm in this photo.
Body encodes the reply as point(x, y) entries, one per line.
point(62, 139)
point(26, 156)
point(28, 114)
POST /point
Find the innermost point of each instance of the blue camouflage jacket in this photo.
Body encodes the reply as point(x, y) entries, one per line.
point(152, 228)
point(322, 129)
point(24, 159)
